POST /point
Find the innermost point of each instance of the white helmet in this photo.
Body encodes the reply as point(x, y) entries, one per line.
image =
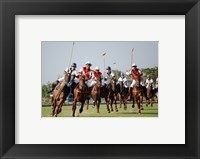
point(88, 63)
point(96, 68)
point(134, 65)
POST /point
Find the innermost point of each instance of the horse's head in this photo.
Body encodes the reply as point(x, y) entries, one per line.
point(149, 86)
point(121, 83)
point(81, 84)
point(98, 82)
point(67, 76)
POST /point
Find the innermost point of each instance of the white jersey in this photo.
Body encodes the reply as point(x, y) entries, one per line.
point(124, 80)
point(68, 70)
point(109, 77)
point(73, 72)
point(148, 82)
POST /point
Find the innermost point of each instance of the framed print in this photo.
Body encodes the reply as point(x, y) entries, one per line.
point(35, 33)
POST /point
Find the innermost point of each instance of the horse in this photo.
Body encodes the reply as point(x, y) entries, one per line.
point(137, 93)
point(59, 95)
point(151, 93)
point(111, 95)
point(81, 92)
point(123, 94)
point(95, 94)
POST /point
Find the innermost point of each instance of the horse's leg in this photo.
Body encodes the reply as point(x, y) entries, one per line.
point(81, 108)
point(59, 107)
point(107, 104)
point(53, 107)
point(120, 101)
point(74, 107)
point(98, 101)
point(111, 103)
point(147, 101)
point(141, 104)
point(115, 98)
point(133, 105)
point(87, 104)
point(151, 101)
point(125, 102)
point(139, 109)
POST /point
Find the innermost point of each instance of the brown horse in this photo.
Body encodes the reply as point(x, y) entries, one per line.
point(59, 95)
point(137, 93)
point(81, 93)
point(95, 94)
point(111, 95)
point(151, 93)
point(123, 94)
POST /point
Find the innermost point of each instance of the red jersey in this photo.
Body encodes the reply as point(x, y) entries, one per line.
point(97, 75)
point(135, 73)
point(87, 72)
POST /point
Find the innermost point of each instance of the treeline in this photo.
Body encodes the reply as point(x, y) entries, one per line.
point(45, 88)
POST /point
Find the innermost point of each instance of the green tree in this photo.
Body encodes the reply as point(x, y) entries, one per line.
point(45, 88)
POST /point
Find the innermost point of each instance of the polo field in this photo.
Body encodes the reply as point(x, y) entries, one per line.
point(91, 112)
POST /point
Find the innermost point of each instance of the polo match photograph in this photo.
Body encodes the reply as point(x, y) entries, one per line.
point(99, 79)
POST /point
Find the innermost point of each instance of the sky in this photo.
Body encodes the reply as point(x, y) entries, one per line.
point(56, 56)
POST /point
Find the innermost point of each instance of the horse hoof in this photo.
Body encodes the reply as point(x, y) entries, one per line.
point(108, 111)
point(142, 108)
point(81, 110)
point(133, 106)
point(116, 110)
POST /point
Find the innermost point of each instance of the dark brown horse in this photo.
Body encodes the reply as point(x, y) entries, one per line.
point(95, 94)
point(59, 95)
point(123, 94)
point(111, 95)
point(137, 93)
point(81, 93)
point(151, 93)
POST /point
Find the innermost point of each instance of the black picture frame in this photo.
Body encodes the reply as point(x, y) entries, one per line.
point(189, 8)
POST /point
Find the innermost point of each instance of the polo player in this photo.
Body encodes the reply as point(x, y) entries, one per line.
point(87, 72)
point(109, 75)
point(71, 71)
point(123, 79)
point(149, 81)
point(134, 72)
point(97, 75)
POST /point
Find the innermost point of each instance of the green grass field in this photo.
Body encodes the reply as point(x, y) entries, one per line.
point(91, 112)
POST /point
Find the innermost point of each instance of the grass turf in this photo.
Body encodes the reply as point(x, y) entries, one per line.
point(91, 112)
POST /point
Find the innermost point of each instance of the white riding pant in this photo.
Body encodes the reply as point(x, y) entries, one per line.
point(93, 83)
point(133, 83)
point(89, 83)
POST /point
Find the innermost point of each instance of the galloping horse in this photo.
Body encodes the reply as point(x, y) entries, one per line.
point(59, 95)
point(95, 94)
point(151, 93)
point(123, 94)
point(137, 93)
point(81, 93)
point(111, 95)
